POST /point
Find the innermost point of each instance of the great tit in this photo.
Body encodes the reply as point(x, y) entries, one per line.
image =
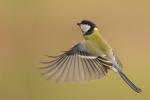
point(89, 59)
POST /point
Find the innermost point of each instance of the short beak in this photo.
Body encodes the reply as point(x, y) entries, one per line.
point(78, 24)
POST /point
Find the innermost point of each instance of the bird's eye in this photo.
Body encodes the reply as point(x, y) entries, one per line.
point(85, 27)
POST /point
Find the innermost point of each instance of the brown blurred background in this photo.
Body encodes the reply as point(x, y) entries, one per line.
point(30, 29)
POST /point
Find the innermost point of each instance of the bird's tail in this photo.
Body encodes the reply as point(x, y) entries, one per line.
point(125, 78)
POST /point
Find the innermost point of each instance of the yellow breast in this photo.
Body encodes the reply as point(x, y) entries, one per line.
point(96, 43)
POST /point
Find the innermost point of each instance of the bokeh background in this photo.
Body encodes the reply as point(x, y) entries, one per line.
point(31, 29)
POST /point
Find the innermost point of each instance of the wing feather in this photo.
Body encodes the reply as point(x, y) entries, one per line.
point(76, 64)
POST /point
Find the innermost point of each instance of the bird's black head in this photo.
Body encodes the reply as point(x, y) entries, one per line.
point(87, 27)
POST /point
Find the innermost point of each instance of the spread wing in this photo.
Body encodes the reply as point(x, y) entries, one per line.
point(76, 64)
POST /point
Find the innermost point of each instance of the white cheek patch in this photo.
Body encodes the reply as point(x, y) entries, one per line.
point(85, 27)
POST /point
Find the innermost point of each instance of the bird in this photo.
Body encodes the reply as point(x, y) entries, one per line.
point(89, 59)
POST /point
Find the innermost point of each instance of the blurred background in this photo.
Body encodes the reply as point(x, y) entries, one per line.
point(31, 29)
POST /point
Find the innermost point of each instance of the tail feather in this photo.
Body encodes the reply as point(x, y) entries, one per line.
point(125, 78)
